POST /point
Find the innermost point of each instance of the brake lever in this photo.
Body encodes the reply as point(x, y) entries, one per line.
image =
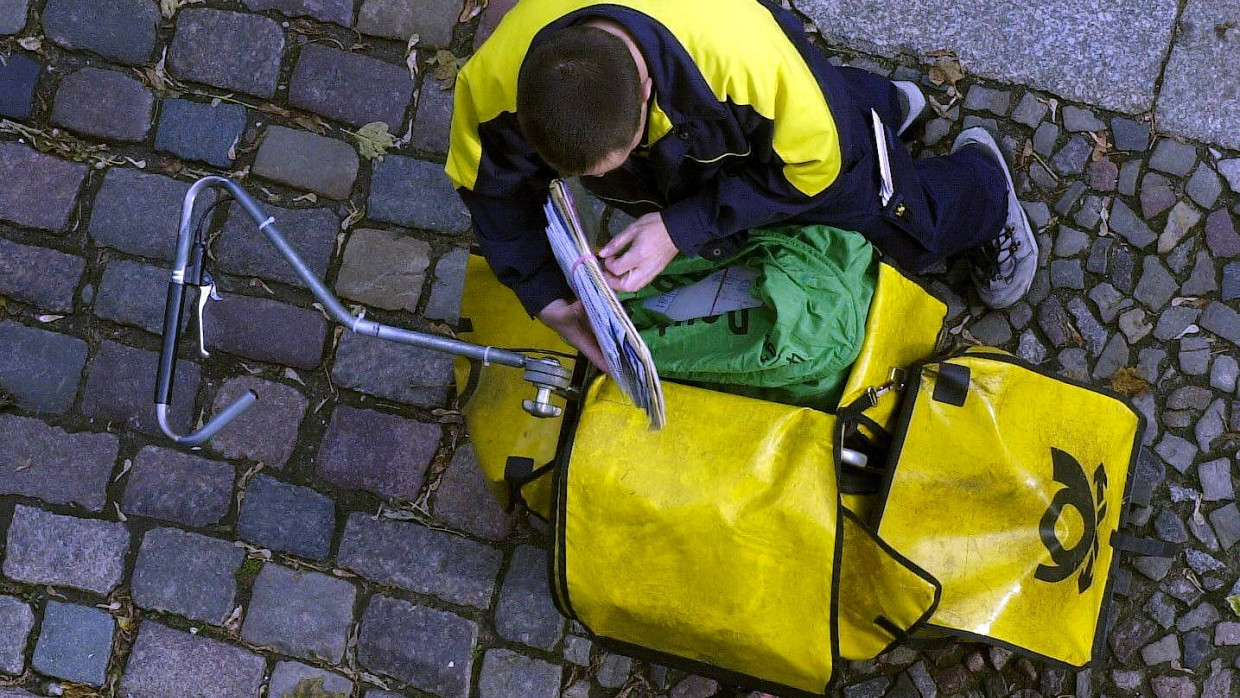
point(206, 292)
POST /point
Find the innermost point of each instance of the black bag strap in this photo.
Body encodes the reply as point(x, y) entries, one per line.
point(519, 472)
point(1137, 545)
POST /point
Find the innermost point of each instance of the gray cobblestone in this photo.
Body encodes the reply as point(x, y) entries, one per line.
point(1127, 184)
point(1215, 479)
point(338, 11)
point(1173, 157)
point(1076, 119)
point(1054, 322)
point(1226, 522)
point(380, 453)
point(1231, 282)
point(1067, 273)
point(1094, 334)
point(1132, 323)
point(430, 649)
point(187, 574)
point(39, 191)
point(614, 671)
point(506, 674)
point(40, 369)
point(1195, 356)
point(421, 560)
point(1123, 268)
point(305, 614)
point(1181, 219)
point(175, 486)
point(986, 99)
point(37, 460)
point(134, 294)
point(243, 250)
point(464, 500)
point(1156, 286)
point(1114, 357)
point(120, 381)
point(1069, 198)
point(1130, 135)
point(164, 661)
point(398, 372)
point(1173, 321)
point(104, 103)
point(119, 30)
point(1211, 425)
point(304, 160)
point(1099, 251)
point(1129, 635)
point(350, 87)
point(13, 15)
point(1072, 157)
point(1177, 452)
point(1125, 222)
point(140, 213)
point(1156, 194)
point(229, 50)
point(194, 131)
point(433, 119)
point(525, 612)
point(18, 78)
point(16, 622)
point(268, 434)
point(1230, 169)
point(1103, 175)
point(1030, 349)
point(1222, 321)
point(448, 287)
point(383, 268)
point(75, 643)
point(399, 19)
point(1204, 187)
point(577, 650)
point(1202, 280)
point(416, 194)
point(287, 676)
point(46, 548)
point(1221, 235)
point(266, 330)
point(1224, 373)
point(1030, 110)
point(287, 518)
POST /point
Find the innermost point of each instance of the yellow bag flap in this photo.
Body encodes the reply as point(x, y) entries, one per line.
point(1006, 486)
point(714, 540)
point(902, 328)
point(498, 427)
point(882, 597)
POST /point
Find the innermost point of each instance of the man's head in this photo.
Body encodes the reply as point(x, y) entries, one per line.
point(581, 100)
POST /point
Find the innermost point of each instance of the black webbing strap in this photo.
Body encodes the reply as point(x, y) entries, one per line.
point(1129, 543)
point(519, 472)
point(952, 384)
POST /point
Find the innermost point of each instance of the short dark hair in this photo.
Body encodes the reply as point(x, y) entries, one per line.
point(579, 97)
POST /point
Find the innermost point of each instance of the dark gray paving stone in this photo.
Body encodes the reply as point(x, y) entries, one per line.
point(75, 643)
point(1042, 177)
point(1222, 321)
point(1114, 357)
point(267, 433)
point(164, 661)
point(1130, 135)
point(1127, 224)
point(338, 11)
point(1231, 282)
point(981, 98)
point(1090, 212)
point(1227, 634)
point(1221, 236)
point(1215, 479)
point(39, 191)
point(229, 50)
point(40, 369)
point(1150, 362)
point(1072, 157)
point(266, 330)
point(421, 560)
point(1173, 687)
point(1157, 286)
point(1170, 528)
point(120, 383)
point(1226, 522)
point(506, 674)
point(304, 614)
point(1099, 252)
point(464, 500)
point(973, 120)
point(287, 518)
point(1127, 184)
point(119, 30)
point(935, 131)
point(1224, 373)
point(1202, 563)
point(135, 294)
point(175, 486)
point(1103, 175)
point(1190, 397)
point(18, 77)
point(140, 213)
point(1044, 138)
point(1129, 635)
point(1196, 644)
point(1030, 110)
point(1132, 323)
point(1180, 257)
point(47, 548)
point(1181, 219)
point(1039, 213)
point(429, 649)
point(1211, 426)
point(1230, 169)
point(1155, 568)
point(16, 622)
point(1067, 273)
point(1030, 349)
point(1202, 616)
point(45, 462)
point(431, 20)
point(433, 120)
point(1195, 356)
point(399, 372)
point(1173, 157)
point(1204, 186)
point(194, 131)
point(1076, 119)
point(384, 269)
point(304, 160)
point(1150, 473)
point(614, 671)
point(243, 250)
point(1177, 452)
point(1054, 322)
point(1123, 268)
point(286, 677)
point(449, 286)
point(1094, 334)
point(350, 87)
point(379, 453)
point(1173, 321)
point(13, 15)
point(577, 650)
point(1156, 195)
point(104, 103)
point(186, 574)
point(1202, 280)
point(415, 194)
point(525, 612)
point(1020, 315)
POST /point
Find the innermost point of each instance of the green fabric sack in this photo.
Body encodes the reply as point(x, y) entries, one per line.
point(815, 283)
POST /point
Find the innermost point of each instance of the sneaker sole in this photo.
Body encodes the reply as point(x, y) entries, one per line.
point(916, 104)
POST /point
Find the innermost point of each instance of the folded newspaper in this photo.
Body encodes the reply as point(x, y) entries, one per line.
point(627, 356)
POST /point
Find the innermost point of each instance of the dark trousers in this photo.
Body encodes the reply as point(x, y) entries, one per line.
point(942, 205)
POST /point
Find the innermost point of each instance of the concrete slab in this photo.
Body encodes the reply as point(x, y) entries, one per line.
point(1200, 95)
point(1102, 52)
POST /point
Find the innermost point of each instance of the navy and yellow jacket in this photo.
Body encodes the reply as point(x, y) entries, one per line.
point(741, 131)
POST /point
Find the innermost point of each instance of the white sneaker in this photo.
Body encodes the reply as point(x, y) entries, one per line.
point(1003, 269)
point(912, 104)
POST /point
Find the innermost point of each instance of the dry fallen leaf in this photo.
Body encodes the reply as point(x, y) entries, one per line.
point(444, 67)
point(49, 318)
point(1128, 381)
point(310, 197)
point(1101, 145)
point(472, 9)
point(311, 122)
point(946, 69)
point(26, 465)
point(292, 375)
point(373, 140)
point(411, 56)
point(1053, 104)
point(356, 214)
point(168, 8)
point(31, 43)
point(940, 108)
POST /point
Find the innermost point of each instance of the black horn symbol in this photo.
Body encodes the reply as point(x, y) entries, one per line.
point(1090, 504)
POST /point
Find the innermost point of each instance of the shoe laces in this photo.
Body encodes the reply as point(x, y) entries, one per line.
point(996, 260)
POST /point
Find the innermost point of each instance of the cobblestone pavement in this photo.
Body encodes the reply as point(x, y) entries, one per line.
point(133, 568)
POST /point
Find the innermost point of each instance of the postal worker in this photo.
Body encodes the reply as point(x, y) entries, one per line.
point(704, 119)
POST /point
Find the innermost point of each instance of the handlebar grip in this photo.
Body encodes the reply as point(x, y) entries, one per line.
point(172, 334)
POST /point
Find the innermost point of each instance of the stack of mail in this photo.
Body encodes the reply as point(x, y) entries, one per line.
point(628, 357)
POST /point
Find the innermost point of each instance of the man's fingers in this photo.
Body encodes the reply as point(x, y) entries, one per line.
point(619, 242)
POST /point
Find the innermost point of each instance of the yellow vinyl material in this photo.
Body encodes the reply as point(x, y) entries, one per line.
point(714, 539)
point(498, 427)
point(1010, 500)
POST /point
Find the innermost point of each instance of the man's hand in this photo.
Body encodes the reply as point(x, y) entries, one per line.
point(634, 257)
point(569, 319)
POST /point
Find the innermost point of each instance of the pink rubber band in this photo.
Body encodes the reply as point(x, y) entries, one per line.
point(580, 260)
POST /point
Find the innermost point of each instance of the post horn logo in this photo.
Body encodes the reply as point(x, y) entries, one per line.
point(1090, 504)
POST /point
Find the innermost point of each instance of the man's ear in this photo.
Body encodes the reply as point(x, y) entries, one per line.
point(647, 88)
